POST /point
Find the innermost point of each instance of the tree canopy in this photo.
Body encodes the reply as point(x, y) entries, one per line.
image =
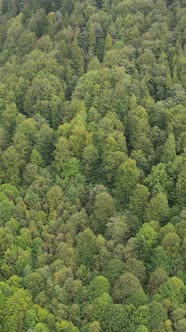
point(92, 166)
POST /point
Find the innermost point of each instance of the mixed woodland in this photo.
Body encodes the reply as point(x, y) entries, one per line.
point(92, 165)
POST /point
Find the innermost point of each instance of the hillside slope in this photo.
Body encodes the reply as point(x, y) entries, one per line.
point(92, 166)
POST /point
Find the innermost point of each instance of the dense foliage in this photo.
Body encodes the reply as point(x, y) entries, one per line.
point(92, 166)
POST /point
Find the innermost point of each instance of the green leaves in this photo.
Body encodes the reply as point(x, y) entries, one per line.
point(65, 326)
point(127, 290)
point(127, 177)
point(173, 290)
point(86, 248)
point(92, 166)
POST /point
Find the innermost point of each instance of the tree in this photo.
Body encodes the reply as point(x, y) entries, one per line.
point(127, 177)
point(177, 315)
point(181, 185)
point(145, 241)
point(142, 328)
point(157, 278)
point(173, 289)
point(158, 181)
point(171, 244)
point(33, 282)
point(94, 327)
point(98, 286)
point(142, 316)
point(137, 268)
point(118, 229)
point(8, 107)
point(10, 159)
point(77, 58)
point(86, 247)
point(158, 314)
point(40, 327)
point(38, 22)
point(127, 290)
point(161, 259)
point(23, 147)
point(62, 154)
point(65, 326)
point(181, 325)
point(112, 160)
point(39, 96)
point(108, 42)
point(6, 210)
point(138, 130)
point(169, 149)
point(31, 318)
point(113, 269)
point(55, 199)
point(139, 200)
point(57, 108)
point(158, 208)
point(100, 306)
point(17, 304)
point(103, 209)
point(91, 39)
point(118, 318)
point(90, 162)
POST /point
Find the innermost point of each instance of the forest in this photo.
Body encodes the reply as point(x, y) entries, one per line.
point(93, 165)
